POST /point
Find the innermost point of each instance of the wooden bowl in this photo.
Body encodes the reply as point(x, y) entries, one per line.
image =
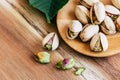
point(64, 17)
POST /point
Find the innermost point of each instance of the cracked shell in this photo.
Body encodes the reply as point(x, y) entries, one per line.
point(74, 29)
point(97, 13)
point(88, 32)
point(112, 11)
point(51, 41)
point(82, 14)
point(99, 42)
point(108, 26)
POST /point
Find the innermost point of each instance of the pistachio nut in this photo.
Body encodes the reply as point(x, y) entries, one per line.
point(108, 26)
point(116, 3)
point(88, 32)
point(74, 29)
point(82, 14)
point(112, 12)
point(51, 41)
point(42, 57)
point(88, 3)
point(97, 13)
point(99, 42)
point(117, 23)
point(67, 63)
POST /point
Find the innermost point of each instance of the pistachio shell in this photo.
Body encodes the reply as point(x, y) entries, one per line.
point(88, 3)
point(74, 29)
point(99, 42)
point(117, 23)
point(83, 14)
point(88, 32)
point(108, 26)
point(116, 3)
point(52, 40)
point(97, 13)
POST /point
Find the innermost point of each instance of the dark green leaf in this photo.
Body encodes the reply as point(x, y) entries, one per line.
point(49, 7)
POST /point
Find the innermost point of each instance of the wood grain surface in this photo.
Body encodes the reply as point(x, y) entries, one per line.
point(22, 29)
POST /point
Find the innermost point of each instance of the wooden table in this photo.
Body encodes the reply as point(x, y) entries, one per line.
point(22, 29)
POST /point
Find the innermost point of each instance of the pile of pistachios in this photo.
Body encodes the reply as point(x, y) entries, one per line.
point(95, 21)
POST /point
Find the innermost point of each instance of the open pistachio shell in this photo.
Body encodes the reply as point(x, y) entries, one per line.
point(117, 23)
point(112, 11)
point(97, 13)
point(74, 29)
point(116, 3)
point(88, 32)
point(51, 41)
point(99, 42)
point(108, 26)
point(88, 3)
point(82, 14)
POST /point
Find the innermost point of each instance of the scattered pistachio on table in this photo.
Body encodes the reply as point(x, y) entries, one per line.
point(74, 29)
point(99, 42)
point(116, 3)
point(112, 12)
point(51, 41)
point(67, 63)
point(42, 57)
point(79, 71)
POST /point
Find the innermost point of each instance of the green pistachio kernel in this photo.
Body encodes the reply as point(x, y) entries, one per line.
point(42, 57)
point(79, 71)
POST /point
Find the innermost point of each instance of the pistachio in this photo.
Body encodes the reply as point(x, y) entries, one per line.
point(82, 14)
point(88, 3)
point(42, 57)
point(88, 32)
point(51, 41)
point(117, 23)
point(74, 29)
point(67, 63)
point(108, 26)
point(116, 3)
point(112, 12)
point(97, 13)
point(99, 42)
point(79, 71)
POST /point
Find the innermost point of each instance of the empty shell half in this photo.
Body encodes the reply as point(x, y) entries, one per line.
point(74, 29)
point(88, 32)
point(97, 13)
point(116, 3)
point(51, 41)
point(112, 11)
point(108, 26)
point(99, 42)
point(88, 3)
point(82, 14)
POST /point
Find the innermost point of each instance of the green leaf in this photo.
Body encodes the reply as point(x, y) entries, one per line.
point(48, 7)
